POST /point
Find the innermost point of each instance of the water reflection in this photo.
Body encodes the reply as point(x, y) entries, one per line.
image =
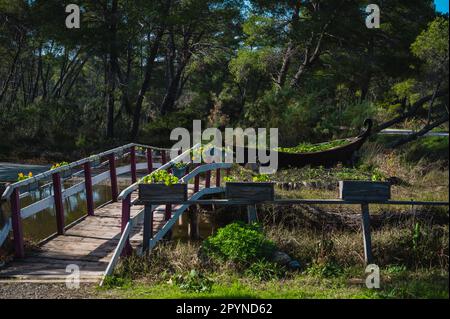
point(43, 224)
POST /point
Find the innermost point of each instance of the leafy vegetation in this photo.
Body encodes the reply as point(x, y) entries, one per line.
point(57, 165)
point(310, 148)
point(22, 176)
point(160, 176)
point(239, 63)
point(240, 243)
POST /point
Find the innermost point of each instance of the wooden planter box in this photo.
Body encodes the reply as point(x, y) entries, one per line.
point(161, 193)
point(364, 191)
point(250, 191)
point(179, 172)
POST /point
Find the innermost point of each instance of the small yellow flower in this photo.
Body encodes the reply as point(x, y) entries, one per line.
point(20, 175)
point(30, 174)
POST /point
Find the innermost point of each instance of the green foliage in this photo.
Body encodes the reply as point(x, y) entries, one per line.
point(230, 179)
point(264, 270)
point(432, 44)
point(181, 165)
point(110, 282)
point(57, 165)
point(430, 148)
point(194, 281)
point(310, 148)
point(161, 176)
point(261, 178)
point(22, 176)
point(240, 243)
point(326, 270)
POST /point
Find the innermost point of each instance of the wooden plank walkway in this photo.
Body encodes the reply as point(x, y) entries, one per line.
point(89, 244)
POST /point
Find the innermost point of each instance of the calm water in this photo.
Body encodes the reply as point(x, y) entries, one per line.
point(43, 224)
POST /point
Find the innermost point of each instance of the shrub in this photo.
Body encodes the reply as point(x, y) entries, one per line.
point(240, 243)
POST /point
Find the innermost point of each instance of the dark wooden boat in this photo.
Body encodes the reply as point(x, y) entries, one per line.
point(339, 154)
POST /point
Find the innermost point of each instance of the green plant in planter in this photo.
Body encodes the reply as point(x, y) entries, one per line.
point(58, 165)
point(230, 179)
point(309, 148)
point(161, 176)
point(30, 187)
point(181, 165)
point(261, 178)
point(22, 176)
point(179, 169)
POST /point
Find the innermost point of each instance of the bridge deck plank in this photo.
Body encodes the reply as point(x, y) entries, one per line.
point(89, 244)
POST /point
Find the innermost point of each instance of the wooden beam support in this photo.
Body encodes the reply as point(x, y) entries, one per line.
point(126, 215)
point(208, 179)
point(167, 217)
point(149, 160)
point(148, 227)
point(218, 177)
point(17, 224)
point(89, 189)
point(59, 205)
point(251, 214)
point(366, 234)
point(133, 164)
point(113, 176)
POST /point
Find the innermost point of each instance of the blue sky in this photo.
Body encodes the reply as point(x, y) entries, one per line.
point(442, 5)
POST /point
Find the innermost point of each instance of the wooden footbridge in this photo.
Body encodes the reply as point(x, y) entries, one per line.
point(95, 242)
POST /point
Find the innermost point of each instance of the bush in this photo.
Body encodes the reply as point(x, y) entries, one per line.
point(240, 243)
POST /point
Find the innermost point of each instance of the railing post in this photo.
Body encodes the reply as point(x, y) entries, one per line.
point(126, 214)
point(113, 176)
point(149, 160)
point(218, 177)
point(133, 164)
point(89, 190)
point(59, 206)
point(208, 179)
point(17, 224)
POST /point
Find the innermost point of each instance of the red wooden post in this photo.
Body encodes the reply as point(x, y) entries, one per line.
point(196, 184)
point(59, 206)
point(126, 214)
point(113, 176)
point(218, 177)
point(133, 164)
point(17, 224)
point(208, 179)
point(149, 160)
point(89, 190)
